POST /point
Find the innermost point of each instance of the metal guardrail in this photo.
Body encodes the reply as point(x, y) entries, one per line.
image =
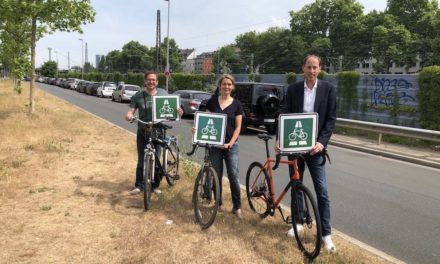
point(409, 132)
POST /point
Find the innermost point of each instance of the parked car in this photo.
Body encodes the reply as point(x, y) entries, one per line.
point(106, 89)
point(190, 100)
point(71, 83)
point(92, 88)
point(124, 92)
point(261, 103)
point(81, 87)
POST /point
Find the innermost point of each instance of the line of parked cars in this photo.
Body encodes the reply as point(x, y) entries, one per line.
point(121, 93)
point(261, 102)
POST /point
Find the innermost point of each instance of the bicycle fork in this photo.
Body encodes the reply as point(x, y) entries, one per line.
point(150, 155)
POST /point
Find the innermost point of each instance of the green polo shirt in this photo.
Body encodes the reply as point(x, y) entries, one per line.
point(143, 102)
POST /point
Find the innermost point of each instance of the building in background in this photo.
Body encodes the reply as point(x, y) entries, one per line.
point(98, 60)
point(204, 63)
point(189, 60)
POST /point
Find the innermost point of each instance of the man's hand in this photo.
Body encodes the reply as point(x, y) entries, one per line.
point(277, 147)
point(316, 149)
point(129, 115)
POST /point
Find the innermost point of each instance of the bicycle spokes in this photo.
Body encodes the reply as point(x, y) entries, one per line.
point(307, 224)
point(206, 197)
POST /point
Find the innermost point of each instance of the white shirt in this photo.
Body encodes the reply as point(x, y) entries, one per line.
point(309, 97)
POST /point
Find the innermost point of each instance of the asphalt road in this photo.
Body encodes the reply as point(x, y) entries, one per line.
point(390, 205)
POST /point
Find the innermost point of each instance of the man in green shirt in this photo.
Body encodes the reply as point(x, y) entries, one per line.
point(143, 101)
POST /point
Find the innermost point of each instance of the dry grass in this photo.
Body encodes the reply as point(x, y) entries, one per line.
point(64, 199)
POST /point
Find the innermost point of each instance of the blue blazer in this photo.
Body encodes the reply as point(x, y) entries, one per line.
point(325, 106)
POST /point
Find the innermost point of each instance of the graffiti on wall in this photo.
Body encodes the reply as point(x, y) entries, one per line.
point(386, 89)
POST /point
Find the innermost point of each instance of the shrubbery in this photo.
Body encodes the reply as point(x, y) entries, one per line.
point(347, 92)
point(429, 97)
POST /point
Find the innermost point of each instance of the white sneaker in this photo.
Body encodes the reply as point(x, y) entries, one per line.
point(328, 244)
point(136, 190)
point(291, 232)
point(157, 191)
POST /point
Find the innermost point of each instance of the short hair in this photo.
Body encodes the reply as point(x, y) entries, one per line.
point(311, 56)
point(149, 73)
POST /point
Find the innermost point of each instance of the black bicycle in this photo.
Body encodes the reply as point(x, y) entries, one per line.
point(206, 198)
point(168, 166)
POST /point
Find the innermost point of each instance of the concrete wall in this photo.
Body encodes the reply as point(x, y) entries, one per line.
point(375, 95)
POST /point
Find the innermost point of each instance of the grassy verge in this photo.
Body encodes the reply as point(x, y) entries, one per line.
point(64, 195)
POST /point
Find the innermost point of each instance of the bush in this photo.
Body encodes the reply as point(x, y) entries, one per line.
point(429, 97)
point(347, 92)
point(322, 75)
point(290, 78)
point(254, 77)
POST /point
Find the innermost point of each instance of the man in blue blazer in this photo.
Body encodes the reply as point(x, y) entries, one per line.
point(318, 96)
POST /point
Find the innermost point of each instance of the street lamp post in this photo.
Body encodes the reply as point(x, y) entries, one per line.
point(167, 69)
point(82, 58)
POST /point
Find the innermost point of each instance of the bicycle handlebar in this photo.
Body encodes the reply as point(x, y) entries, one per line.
point(160, 124)
point(324, 155)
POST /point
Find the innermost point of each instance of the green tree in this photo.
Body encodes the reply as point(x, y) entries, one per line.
point(114, 61)
point(132, 55)
point(175, 58)
point(391, 42)
point(14, 42)
point(49, 69)
point(420, 17)
point(88, 67)
point(333, 30)
point(273, 51)
point(45, 17)
point(227, 60)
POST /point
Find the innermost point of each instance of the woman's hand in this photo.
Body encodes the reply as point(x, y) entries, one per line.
point(180, 111)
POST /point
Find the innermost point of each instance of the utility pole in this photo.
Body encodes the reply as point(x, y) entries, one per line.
point(167, 70)
point(50, 53)
point(158, 40)
point(82, 58)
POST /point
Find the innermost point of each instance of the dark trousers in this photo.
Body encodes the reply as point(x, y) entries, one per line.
point(317, 172)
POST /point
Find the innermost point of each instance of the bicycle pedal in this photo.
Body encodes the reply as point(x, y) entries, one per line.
point(288, 219)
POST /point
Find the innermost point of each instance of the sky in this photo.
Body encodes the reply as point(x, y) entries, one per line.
point(203, 25)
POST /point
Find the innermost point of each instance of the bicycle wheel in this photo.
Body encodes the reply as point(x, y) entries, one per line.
point(306, 222)
point(206, 198)
point(148, 177)
point(171, 163)
point(258, 189)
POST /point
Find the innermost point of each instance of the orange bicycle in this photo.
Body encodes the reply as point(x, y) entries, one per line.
point(304, 215)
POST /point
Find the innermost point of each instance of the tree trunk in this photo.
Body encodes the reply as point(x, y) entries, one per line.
point(32, 86)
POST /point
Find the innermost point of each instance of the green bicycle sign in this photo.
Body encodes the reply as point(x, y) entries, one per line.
point(210, 128)
point(297, 132)
point(165, 107)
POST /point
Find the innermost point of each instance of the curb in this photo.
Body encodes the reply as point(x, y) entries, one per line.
point(387, 154)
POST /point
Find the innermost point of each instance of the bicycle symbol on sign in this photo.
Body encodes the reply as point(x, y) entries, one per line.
point(166, 110)
point(298, 136)
point(209, 132)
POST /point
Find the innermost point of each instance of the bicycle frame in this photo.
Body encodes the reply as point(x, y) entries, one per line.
point(275, 202)
point(150, 146)
point(293, 179)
